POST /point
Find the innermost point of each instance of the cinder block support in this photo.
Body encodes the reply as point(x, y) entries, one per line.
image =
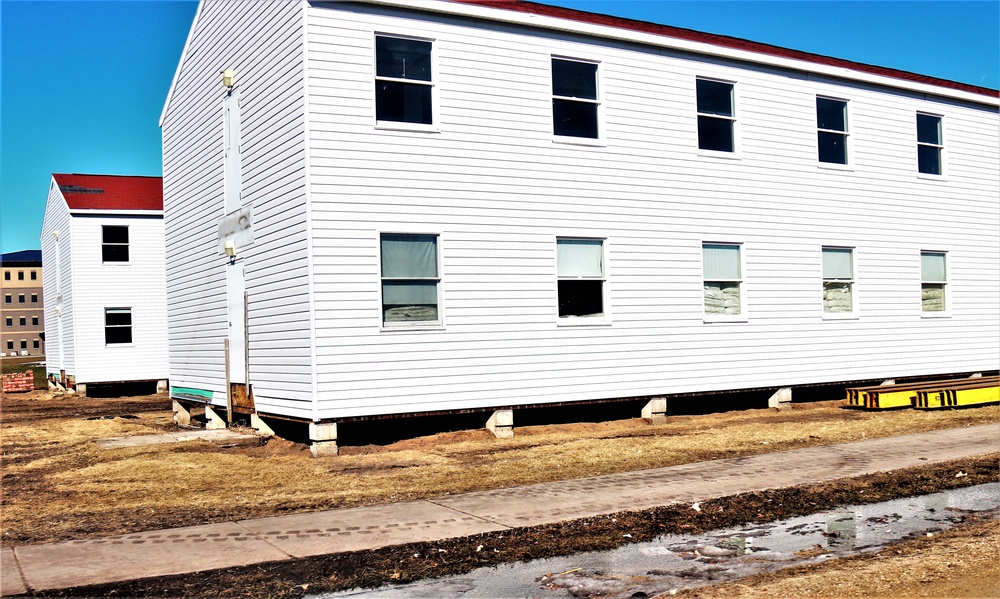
point(323, 439)
point(213, 420)
point(81, 389)
point(182, 415)
point(655, 410)
point(161, 387)
point(782, 399)
point(501, 424)
point(258, 424)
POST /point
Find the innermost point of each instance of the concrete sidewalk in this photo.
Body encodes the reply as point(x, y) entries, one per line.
point(193, 549)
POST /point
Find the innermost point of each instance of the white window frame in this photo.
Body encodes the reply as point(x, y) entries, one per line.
point(411, 325)
point(741, 282)
point(733, 120)
point(853, 283)
point(944, 284)
point(433, 127)
point(128, 245)
point(939, 146)
point(605, 318)
point(131, 326)
point(598, 83)
point(848, 143)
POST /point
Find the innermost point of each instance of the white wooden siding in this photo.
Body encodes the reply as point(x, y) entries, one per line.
point(137, 284)
point(499, 191)
point(58, 279)
point(263, 43)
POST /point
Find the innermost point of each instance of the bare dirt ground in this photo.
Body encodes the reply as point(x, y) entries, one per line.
point(58, 485)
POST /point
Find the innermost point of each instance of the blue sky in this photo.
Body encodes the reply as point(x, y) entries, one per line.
point(82, 83)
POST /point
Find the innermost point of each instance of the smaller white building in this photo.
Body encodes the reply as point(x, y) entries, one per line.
point(103, 255)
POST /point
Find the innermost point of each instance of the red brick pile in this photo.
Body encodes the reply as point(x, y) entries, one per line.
point(19, 382)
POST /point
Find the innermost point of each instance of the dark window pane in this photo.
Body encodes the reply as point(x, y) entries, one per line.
point(574, 79)
point(20, 275)
point(22, 321)
point(115, 234)
point(34, 344)
point(10, 345)
point(929, 160)
point(114, 253)
point(832, 147)
point(117, 318)
point(574, 119)
point(34, 275)
point(715, 134)
point(403, 102)
point(929, 129)
point(831, 114)
point(715, 97)
point(24, 344)
point(581, 298)
point(402, 59)
point(118, 334)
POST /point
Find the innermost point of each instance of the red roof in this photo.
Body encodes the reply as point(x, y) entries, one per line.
point(111, 192)
point(721, 40)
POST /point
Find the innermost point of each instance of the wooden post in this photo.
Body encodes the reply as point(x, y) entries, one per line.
point(229, 387)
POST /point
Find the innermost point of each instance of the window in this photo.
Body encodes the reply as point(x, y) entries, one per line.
point(580, 269)
point(22, 321)
point(933, 279)
point(117, 325)
point(723, 278)
point(34, 298)
point(8, 299)
point(403, 80)
point(410, 278)
point(6, 275)
point(20, 275)
point(10, 345)
point(574, 98)
point(10, 321)
point(114, 246)
point(831, 122)
point(34, 275)
point(930, 143)
point(838, 280)
point(20, 298)
point(34, 344)
point(24, 344)
point(716, 116)
point(34, 321)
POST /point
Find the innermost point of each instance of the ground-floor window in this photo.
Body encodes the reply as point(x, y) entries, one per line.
point(723, 281)
point(410, 278)
point(117, 325)
point(580, 267)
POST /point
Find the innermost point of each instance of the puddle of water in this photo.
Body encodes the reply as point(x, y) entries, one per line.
point(679, 562)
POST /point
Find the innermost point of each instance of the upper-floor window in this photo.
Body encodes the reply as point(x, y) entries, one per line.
point(575, 103)
point(930, 144)
point(410, 278)
point(34, 321)
point(20, 275)
point(403, 80)
point(723, 281)
point(20, 298)
point(34, 275)
point(580, 268)
point(10, 321)
point(838, 280)
point(716, 116)
point(6, 275)
point(831, 125)
point(114, 243)
point(8, 299)
point(117, 325)
point(22, 321)
point(933, 281)
point(34, 298)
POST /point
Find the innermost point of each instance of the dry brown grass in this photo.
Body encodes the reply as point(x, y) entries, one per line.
point(58, 484)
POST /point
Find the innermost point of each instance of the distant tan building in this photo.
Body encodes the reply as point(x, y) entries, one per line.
point(22, 325)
